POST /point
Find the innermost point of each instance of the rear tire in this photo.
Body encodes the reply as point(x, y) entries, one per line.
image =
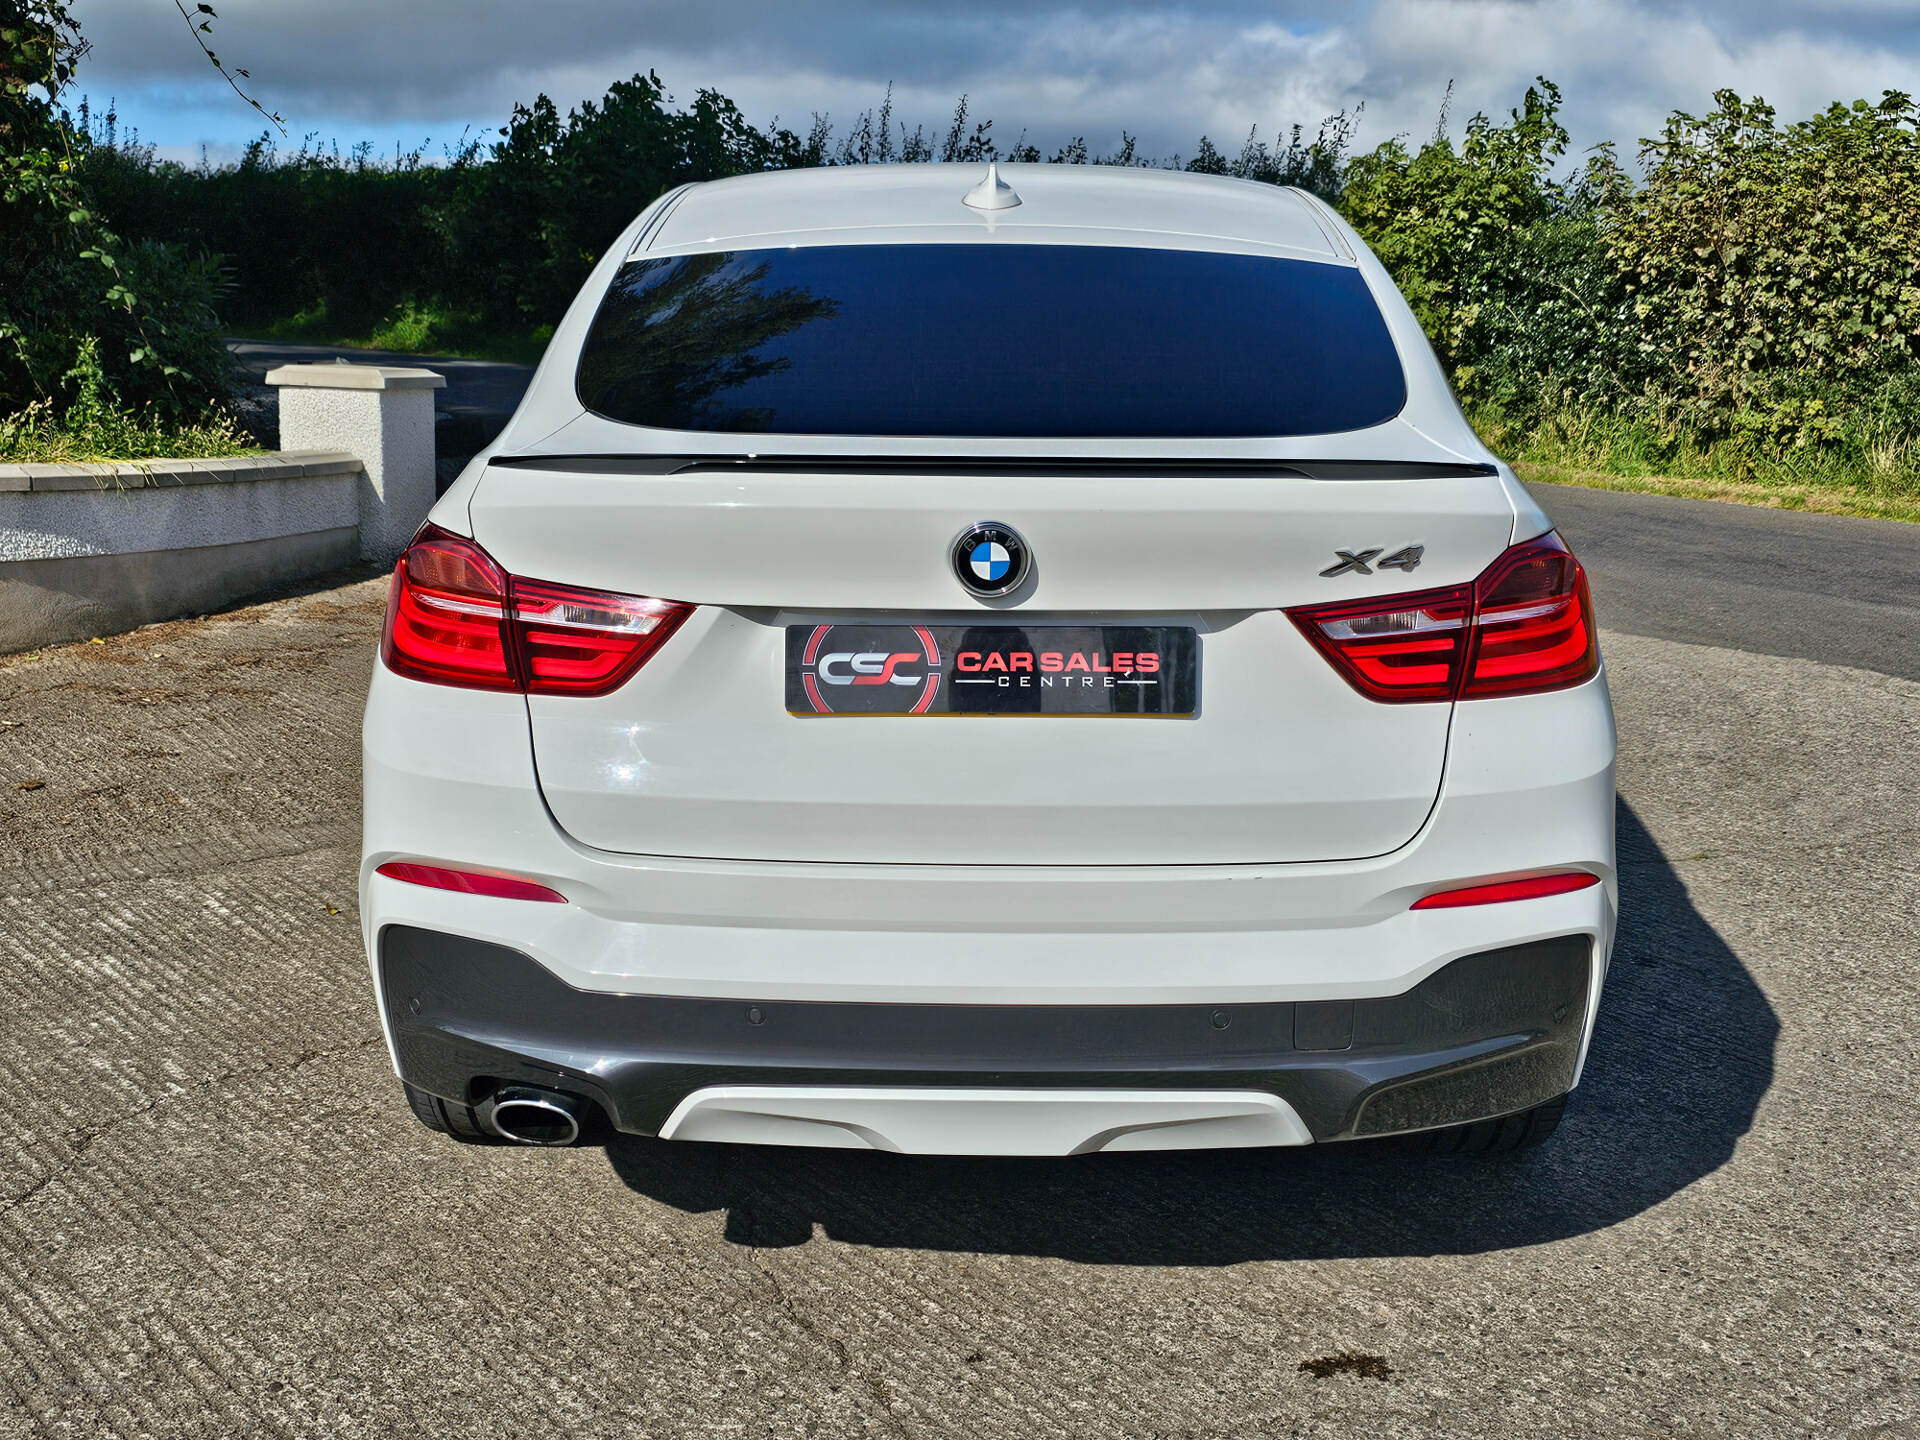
point(438, 1115)
point(1497, 1137)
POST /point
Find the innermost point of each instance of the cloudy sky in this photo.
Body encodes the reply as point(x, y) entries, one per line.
point(404, 71)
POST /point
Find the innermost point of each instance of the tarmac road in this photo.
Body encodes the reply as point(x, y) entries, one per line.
point(1774, 582)
point(473, 407)
point(490, 386)
point(218, 1218)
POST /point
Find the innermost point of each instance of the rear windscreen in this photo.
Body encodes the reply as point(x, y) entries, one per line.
point(990, 340)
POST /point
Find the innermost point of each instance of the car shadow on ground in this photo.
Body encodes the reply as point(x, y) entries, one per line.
point(1682, 1056)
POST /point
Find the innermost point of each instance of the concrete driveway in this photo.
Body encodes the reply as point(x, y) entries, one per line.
point(218, 1218)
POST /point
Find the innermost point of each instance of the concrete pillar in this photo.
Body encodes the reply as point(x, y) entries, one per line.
point(380, 413)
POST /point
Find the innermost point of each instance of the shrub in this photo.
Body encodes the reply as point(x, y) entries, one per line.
point(1452, 225)
point(95, 428)
point(65, 278)
point(1752, 308)
point(1749, 302)
point(1754, 253)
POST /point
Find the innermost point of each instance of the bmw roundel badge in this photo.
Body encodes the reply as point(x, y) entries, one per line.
point(990, 559)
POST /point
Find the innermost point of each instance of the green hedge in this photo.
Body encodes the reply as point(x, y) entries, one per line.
point(1746, 296)
point(1749, 305)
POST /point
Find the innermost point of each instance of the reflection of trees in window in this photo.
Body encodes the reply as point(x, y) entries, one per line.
point(675, 334)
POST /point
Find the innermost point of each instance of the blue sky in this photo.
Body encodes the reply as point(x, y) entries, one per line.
point(399, 72)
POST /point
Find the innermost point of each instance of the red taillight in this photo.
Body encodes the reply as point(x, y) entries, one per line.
point(469, 882)
point(1525, 625)
point(1401, 647)
point(1532, 623)
point(1532, 888)
point(454, 617)
point(446, 615)
point(587, 642)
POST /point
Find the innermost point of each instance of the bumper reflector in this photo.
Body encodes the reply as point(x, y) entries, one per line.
point(1531, 888)
point(469, 882)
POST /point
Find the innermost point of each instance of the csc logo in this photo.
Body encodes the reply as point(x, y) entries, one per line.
point(873, 670)
point(869, 667)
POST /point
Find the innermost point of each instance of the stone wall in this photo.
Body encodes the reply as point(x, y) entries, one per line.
point(94, 550)
point(89, 550)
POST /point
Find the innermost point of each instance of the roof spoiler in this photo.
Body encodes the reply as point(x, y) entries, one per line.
point(710, 464)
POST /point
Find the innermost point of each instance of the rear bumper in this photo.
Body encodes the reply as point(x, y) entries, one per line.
point(1486, 1034)
point(1101, 979)
point(449, 779)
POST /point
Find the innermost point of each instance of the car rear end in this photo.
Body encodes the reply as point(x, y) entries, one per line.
point(941, 682)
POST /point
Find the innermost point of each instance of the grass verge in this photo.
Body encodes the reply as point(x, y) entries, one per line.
point(1867, 463)
point(1816, 499)
point(35, 436)
point(413, 330)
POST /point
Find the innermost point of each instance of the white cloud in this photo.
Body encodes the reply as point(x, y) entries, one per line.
point(1168, 72)
point(1621, 66)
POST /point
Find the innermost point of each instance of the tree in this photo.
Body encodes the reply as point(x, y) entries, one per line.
point(556, 192)
point(1440, 218)
point(1755, 253)
point(80, 313)
point(200, 26)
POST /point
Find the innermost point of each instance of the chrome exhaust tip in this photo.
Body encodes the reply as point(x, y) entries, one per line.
point(528, 1116)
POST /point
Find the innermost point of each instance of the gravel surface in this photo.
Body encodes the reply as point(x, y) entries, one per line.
point(218, 1218)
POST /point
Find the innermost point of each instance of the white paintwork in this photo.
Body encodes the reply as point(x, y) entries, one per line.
point(382, 414)
point(992, 193)
point(985, 1122)
point(1529, 787)
point(883, 204)
point(697, 756)
point(1268, 850)
point(1101, 544)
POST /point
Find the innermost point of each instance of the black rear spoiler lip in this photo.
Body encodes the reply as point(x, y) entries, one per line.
point(711, 464)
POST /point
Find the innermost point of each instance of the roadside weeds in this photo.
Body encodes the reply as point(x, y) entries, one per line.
point(1815, 499)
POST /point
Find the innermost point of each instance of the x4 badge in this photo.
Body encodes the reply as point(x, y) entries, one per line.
point(1361, 562)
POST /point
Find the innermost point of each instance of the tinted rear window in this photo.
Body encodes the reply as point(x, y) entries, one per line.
point(990, 340)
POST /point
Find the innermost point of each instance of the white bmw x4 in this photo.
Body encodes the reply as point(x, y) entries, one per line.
point(1023, 668)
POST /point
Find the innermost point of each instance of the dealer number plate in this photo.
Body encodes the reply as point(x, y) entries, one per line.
point(1140, 670)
